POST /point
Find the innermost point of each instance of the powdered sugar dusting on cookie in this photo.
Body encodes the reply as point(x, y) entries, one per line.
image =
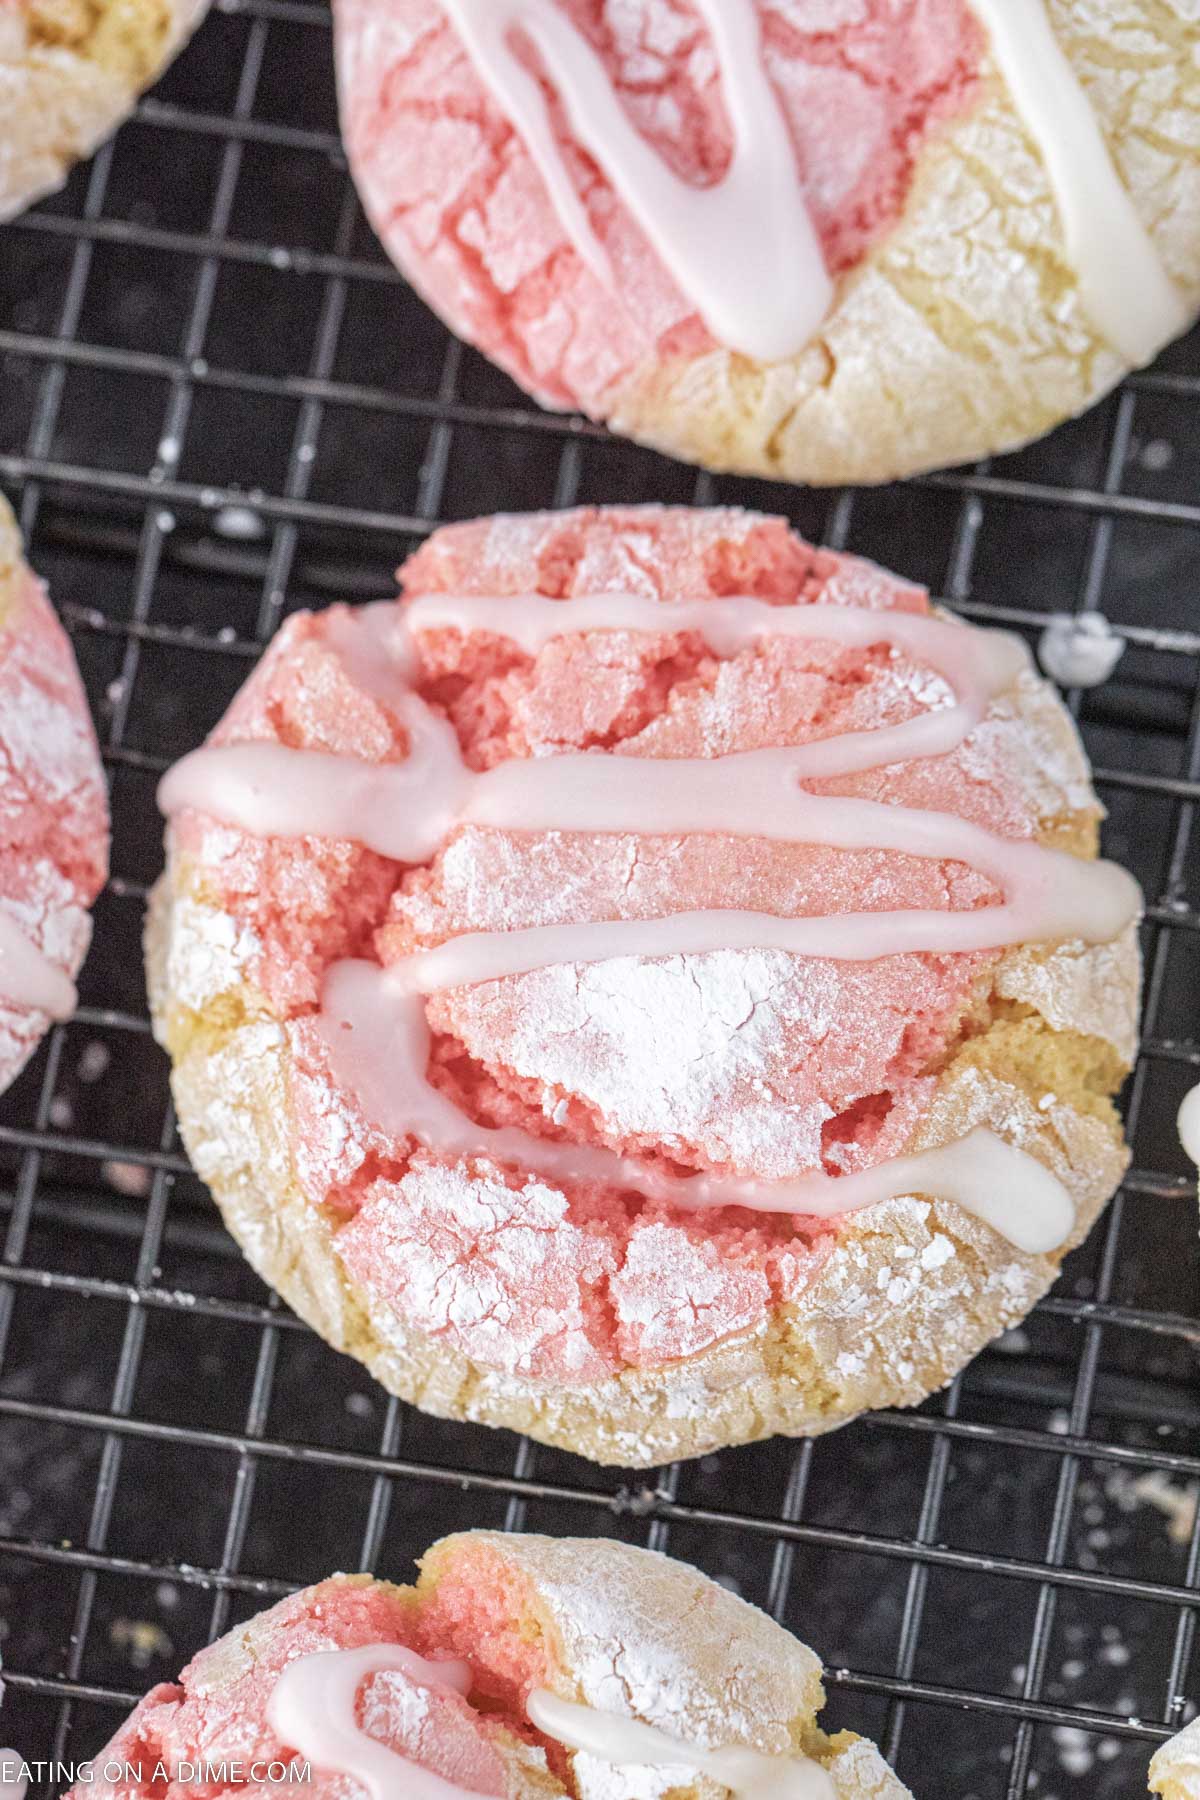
point(1175, 1765)
point(356, 1679)
point(210, 954)
point(637, 1639)
point(745, 1061)
point(53, 812)
point(220, 1709)
point(499, 1266)
point(517, 239)
point(669, 1289)
point(699, 1053)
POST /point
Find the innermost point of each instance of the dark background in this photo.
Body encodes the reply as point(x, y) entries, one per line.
point(218, 403)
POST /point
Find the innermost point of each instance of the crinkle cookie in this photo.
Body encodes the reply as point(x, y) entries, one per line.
point(1175, 1766)
point(824, 240)
point(70, 71)
point(648, 989)
point(53, 812)
point(519, 1668)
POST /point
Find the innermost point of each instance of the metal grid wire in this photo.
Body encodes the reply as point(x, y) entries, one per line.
point(217, 403)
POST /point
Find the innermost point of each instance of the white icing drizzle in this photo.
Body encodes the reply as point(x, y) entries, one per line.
point(1189, 1124)
point(978, 665)
point(406, 810)
point(748, 1774)
point(379, 1045)
point(1046, 900)
point(744, 250)
point(1126, 290)
point(29, 978)
point(373, 1020)
point(312, 1710)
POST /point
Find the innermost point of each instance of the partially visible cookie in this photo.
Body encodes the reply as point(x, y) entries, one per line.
point(53, 811)
point(507, 1651)
point(1175, 1766)
point(70, 71)
point(804, 239)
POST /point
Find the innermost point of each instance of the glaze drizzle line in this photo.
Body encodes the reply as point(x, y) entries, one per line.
point(29, 978)
point(379, 1045)
point(744, 250)
point(313, 1711)
point(748, 1774)
point(1125, 289)
point(373, 1020)
point(407, 810)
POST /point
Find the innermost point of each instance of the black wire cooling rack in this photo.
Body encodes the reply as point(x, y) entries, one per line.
point(217, 403)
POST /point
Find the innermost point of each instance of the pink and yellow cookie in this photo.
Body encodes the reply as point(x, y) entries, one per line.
point(649, 988)
point(518, 1668)
point(1175, 1765)
point(54, 840)
point(824, 240)
point(70, 71)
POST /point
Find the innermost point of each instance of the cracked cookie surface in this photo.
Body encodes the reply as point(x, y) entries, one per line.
point(596, 1623)
point(582, 1313)
point(957, 326)
point(53, 802)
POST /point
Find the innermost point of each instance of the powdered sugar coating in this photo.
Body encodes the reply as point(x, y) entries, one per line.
point(641, 1636)
point(656, 1639)
point(486, 1289)
point(960, 324)
point(216, 1713)
point(53, 806)
point(460, 204)
point(1175, 1766)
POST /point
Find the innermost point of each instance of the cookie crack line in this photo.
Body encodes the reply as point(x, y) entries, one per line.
point(372, 1020)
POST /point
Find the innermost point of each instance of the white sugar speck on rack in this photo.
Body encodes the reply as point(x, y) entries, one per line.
point(239, 522)
point(1080, 650)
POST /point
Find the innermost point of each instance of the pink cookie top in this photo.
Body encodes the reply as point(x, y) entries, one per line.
point(461, 203)
point(53, 807)
point(746, 1062)
point(217, 1713)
